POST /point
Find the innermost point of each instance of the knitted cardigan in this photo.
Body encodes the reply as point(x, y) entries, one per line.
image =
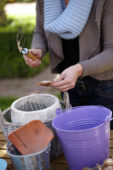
point(95, 41)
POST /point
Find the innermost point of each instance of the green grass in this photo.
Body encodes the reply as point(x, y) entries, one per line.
point(6, 102)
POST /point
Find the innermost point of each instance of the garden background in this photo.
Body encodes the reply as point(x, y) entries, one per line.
point(16, 78)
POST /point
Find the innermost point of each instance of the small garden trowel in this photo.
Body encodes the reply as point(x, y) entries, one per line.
point(21, 42)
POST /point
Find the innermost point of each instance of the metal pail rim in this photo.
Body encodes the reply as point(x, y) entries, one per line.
point(25, 156)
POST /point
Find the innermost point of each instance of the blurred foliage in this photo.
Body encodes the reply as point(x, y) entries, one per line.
point(6, 102)
point(3, 19)
point(11, 61)
point(20, 1)
point(25, 0)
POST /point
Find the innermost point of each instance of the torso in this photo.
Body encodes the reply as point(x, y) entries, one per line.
point(71, 53)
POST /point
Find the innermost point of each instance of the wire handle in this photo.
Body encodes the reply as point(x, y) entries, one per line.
point(66, 100)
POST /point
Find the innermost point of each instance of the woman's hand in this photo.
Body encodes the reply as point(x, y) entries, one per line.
point(68, 78)
point(30, 62)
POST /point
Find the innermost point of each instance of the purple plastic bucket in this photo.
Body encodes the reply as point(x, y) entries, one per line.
point(84, 133)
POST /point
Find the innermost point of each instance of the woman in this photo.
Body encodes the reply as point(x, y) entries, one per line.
point(79, 37)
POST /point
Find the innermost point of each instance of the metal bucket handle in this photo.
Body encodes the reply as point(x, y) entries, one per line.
point(65, 102)
point(108, 119)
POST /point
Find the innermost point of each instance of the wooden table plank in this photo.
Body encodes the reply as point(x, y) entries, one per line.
point(111, 143)
point(3, 154)
point(2, 138)
point(9, 161)
point(3, 144)
point(111, 153)
point(59, 167)
point(0, 130)
point(111, 134)
point(60, 160)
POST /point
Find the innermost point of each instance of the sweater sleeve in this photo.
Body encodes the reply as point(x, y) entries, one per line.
point(39, 39)
point(102, 62)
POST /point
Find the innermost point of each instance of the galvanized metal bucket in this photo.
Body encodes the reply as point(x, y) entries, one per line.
point(7, 127)
point(36, 161)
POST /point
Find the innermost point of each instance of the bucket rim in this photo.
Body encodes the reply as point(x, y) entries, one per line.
point(4, 121)
point(32, 95)
point(83, 130)
point(97, 106)
point(12, 124)
point(25, 156)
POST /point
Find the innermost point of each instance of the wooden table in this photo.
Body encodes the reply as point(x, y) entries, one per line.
point(58, 164)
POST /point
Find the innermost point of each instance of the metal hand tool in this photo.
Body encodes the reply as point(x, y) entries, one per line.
point(21, 42)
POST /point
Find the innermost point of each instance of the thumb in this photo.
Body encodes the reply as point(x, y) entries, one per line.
point(61, 77)
point(36, 52)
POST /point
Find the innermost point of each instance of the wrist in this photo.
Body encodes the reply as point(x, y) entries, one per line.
point(79, 69)
point(40, 52)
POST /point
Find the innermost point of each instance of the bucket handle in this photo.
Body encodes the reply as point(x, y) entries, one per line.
point(1, 116)
point(108, 119)
point(65, 102)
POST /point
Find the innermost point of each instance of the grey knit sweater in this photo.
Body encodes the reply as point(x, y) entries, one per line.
point(95, 41)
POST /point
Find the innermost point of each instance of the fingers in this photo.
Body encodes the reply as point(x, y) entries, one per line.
point(30, 62)
point(63, 85)
point(64, 88)
point(59, 83)
point(33, 63)
point(36, 52)
point(60, 77)
point(68, 78)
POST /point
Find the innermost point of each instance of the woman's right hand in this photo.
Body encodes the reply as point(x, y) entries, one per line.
point(38, 54)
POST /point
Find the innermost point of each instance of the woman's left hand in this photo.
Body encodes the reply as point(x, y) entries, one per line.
point(68, 78)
